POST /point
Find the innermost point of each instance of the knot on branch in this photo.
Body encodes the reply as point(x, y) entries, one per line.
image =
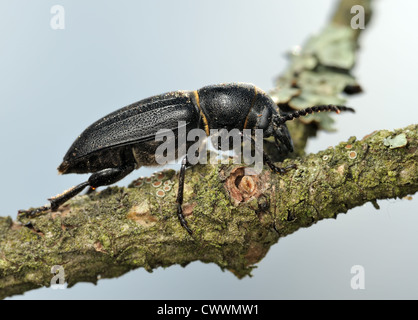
point(243, 187)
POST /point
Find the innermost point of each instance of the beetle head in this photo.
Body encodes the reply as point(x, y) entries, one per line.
point(282, 137)
point(267, 114)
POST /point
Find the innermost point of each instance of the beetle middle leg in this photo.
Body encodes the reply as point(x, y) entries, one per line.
point(179, 201)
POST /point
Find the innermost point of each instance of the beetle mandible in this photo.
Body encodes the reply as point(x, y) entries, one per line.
point(124, 140)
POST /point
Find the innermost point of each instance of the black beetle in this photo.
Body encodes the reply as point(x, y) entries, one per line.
point(124, 140)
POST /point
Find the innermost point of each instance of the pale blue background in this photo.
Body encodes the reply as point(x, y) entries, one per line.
point(54, 83)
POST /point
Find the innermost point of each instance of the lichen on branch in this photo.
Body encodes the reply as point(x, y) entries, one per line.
point(235, 218)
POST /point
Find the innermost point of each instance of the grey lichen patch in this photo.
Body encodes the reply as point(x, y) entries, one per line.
point(335, 47)
point(398, 141)
point(284, 95)
point(320, 73)
point(325, 84)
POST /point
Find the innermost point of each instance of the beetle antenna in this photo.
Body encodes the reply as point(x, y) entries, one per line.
point(300, 113)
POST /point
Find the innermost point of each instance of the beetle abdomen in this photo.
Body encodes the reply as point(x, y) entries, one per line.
point(108, 142)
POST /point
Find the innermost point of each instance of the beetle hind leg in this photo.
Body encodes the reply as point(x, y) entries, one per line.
point(55, 202)
point(66, 195)
point(100, 178)
point(109, 176)
point(33, 212)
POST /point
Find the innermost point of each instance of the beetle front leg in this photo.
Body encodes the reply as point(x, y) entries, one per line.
point(179, 201)
point(275, 168)
point(267, 160)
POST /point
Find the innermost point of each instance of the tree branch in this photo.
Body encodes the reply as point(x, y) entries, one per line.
point(235, 218)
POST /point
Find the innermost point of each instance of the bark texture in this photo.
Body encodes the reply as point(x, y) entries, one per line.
point(235, 218)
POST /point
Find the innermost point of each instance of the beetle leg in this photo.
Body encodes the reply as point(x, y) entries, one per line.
point(270, 163)
point(32, 213)
point(90, 190)
point(55, 202)
point(275, 168)
point(100, 178)
point(109, 176)
point(179, 201)
point(66, 195)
